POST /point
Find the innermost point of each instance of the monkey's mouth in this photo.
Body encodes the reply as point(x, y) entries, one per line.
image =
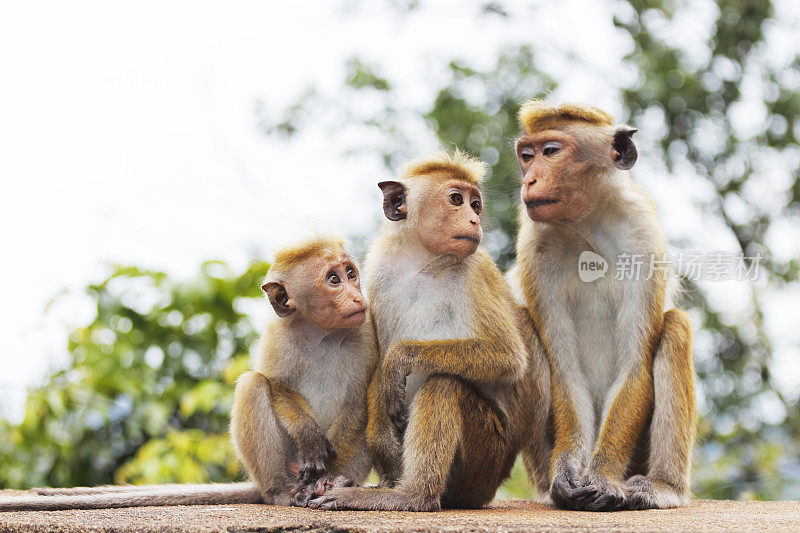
point(359, 312)
point(469, 238)
point(538, 203)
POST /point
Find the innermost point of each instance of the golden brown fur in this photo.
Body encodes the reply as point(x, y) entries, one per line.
point(319, 246)
point(446, 165)
point(621, 375)
point(538, 115)
point(450, 404)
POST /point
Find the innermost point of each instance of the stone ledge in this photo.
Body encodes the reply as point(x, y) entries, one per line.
point(501, 516)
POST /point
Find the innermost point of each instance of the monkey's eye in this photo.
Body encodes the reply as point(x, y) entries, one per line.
point(333, 278)
point(476, 206)
point(456, 198)
point(526, 154)
point(351, 273)
point(551, 148)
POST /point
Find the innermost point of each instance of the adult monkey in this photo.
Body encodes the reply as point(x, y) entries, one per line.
point(298, 419)
point(446, 327)
point(623, 404)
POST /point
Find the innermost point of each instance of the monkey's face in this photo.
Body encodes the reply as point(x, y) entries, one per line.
point(563, 170)
point(335, 300)
point(551, 185)
point(324, 289)
point(448, 218)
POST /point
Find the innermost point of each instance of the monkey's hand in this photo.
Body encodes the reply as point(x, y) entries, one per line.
point(313, 455)
point(606, 494)
point(567, 487)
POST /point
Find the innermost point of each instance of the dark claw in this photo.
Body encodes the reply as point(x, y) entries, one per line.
point(301, 497)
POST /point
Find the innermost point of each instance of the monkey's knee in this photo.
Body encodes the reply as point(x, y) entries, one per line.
point(676, 337)
point(436, 411)
point(439, 396)
point(251, 402)
point(673, 368)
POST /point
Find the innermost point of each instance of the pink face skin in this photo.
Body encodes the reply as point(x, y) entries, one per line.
point(450, 223)
point(551, 184)
point(335, 300)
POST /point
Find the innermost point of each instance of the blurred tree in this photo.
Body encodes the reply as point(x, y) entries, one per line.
point(700, 101)
point(146, 394)
point(697, 96)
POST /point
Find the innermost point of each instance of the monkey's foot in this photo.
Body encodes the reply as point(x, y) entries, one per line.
point(642, 493)
point(303, 493)
point(606, 495)
point(372, 499)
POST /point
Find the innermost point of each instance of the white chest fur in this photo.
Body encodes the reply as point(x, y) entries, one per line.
point(419, 301)
point(329, 373)
point(591, 308)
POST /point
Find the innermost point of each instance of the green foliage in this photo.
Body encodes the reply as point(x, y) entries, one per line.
point(147, 390)
point(146, 395)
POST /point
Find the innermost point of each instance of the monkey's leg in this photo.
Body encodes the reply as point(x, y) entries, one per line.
point(358, 467)
point(537, 448)
point(456, 453)
point(672, 430)
point(262, 444)
point(382, 441)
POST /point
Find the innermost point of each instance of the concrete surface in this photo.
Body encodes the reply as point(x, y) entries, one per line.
point(501, 516)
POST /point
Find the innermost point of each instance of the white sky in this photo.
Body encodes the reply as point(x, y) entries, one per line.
point(128, 134)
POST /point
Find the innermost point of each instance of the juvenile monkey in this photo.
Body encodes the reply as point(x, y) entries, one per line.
point(299, 418)
point(623, 403)
point(447, 406)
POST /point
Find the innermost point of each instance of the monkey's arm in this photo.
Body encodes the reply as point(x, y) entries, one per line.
point(480, 360)
point(630, 401)
point(346, 432)
point(639, 329)
point(572, 408)
point(382, 439)
point(295, 416)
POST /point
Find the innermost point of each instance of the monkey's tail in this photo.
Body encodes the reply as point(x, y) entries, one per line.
point(206, 494)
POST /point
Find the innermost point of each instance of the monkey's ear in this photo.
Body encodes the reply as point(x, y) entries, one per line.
point(394, 200)
point(279, 298)
point(625, 151)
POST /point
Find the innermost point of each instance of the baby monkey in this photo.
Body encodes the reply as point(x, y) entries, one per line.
point(298, 420)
